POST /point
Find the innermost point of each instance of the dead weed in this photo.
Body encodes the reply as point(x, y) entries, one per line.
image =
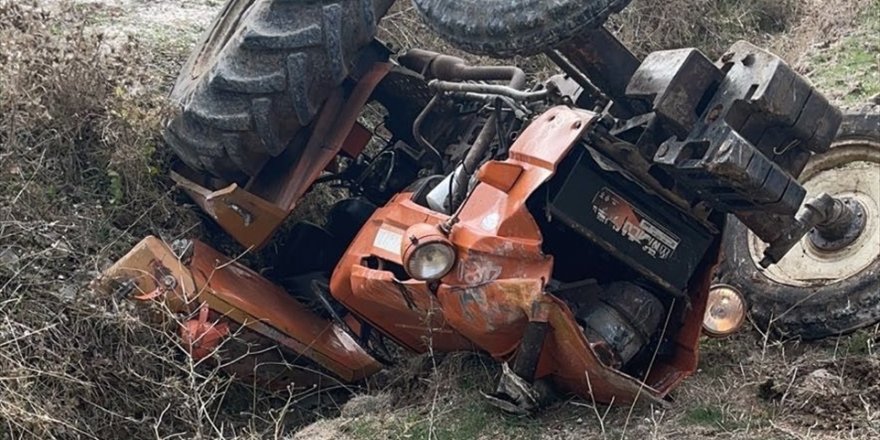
point(81, 180)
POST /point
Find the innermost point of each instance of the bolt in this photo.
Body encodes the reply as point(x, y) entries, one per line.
point(714, 113)
point(183, 249)
point(663, 150)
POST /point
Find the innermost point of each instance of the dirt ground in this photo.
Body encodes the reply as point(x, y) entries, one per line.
point(61, 221)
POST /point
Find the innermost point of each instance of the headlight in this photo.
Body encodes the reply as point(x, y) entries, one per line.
point(725, 311)
point(427, 253)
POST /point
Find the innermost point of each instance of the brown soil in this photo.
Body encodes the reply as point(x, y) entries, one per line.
point(837, 394)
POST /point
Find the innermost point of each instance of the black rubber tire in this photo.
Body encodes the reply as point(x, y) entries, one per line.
point(261, 73)
point(504, 28)
point(805, 312)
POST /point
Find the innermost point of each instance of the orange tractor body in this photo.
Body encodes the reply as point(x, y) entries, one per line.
point(497, 287)
point(569, 230)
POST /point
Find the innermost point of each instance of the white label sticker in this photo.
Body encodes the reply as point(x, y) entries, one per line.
point(389, 240)
point(614, 211)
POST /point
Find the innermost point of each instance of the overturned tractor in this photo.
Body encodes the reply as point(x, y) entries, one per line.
point(569, 228)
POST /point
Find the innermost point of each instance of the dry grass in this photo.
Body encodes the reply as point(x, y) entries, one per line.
point(645, 26)
point(711, 25)
point(747, 388)
point(81, 180)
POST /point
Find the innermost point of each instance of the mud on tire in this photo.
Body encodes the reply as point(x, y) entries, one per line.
point(260, 74)
point(818, 309)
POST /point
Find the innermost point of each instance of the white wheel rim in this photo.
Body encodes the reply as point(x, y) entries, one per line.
point(851, 169)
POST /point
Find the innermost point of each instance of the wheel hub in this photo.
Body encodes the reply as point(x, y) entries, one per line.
point(831, 253)
point(842, 233)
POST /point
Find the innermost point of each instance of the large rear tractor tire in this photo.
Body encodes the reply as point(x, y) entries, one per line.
point(260, 74)
point(505, 28)
point(814, 293)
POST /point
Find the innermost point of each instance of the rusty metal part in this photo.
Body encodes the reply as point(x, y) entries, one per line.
point(242, 296)
point(675, 83)
point(358, 139)
point(843, 225)
point(609, 65)
point(421, 139)
point(516, 395)
point(328, 135)
point(590, 97)
point(434, 65)
point(526, 362)
point(248, 218)
point(625, 319)
point(252, 214)
point(835, 221)
point(489, 298)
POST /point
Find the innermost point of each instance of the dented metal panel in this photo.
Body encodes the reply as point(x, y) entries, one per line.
point(498, 285)
point(206, 278)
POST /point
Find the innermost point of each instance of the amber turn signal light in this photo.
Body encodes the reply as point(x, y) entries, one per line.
point(725, 311)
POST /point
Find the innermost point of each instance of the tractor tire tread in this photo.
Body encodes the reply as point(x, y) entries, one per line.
point(263, 83)
point(507, 28)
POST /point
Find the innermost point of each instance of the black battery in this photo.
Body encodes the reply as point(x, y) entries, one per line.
point(640, 229)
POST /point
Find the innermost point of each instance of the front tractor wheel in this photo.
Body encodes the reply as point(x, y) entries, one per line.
point(820, 288)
